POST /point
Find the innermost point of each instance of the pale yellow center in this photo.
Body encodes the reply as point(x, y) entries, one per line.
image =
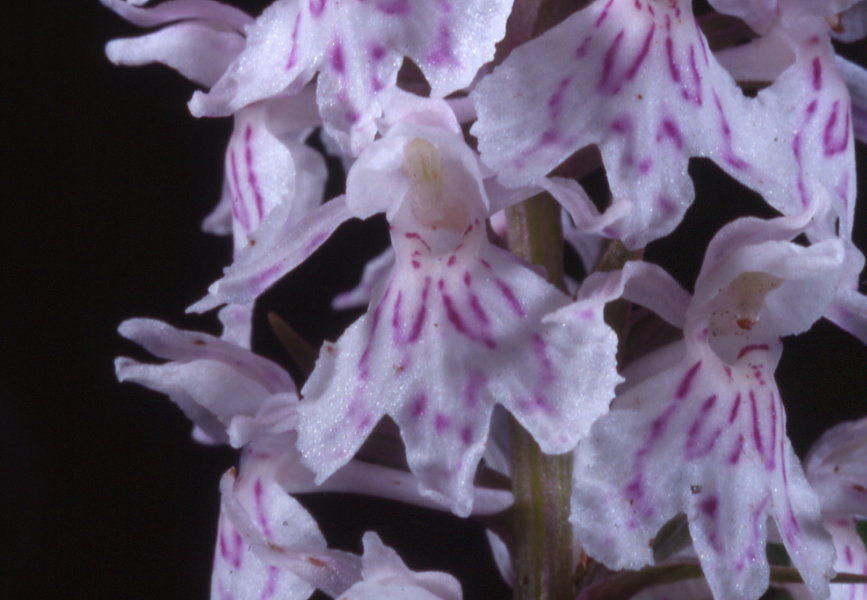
point(741, 303)
point(431, 202)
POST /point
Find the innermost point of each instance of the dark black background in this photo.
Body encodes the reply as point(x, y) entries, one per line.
point(106, 179)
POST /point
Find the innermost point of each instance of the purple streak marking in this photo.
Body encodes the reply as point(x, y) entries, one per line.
point(673, 71)
point(414, 236)
point(735, 454)
point(817, 74)
point(555, 101)
point(251, 172)
point(686, 382)
point(642, 54)
point(608, 61)
point(669, 129)
point(751, 348)
point(396, 333)
point(510, 297)
point(234, 553)
point(729, 154)
point(441, 423)
point(271, 585)
point(418, 322)
point(458, 323)
point(756, 520)
point(363, 366)
point(695, 97)
point(830, 145)
point(695, 431)
point(467, 435)
point(770, 461)
point(477, 309)
point(757, 433)
point(735, 408)
point(581, 50)
point(239, 208)
point(293, 54)
point(603, 15)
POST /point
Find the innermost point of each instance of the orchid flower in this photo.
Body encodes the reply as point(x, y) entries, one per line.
point(836, 466)
point(268, 545)
point(356, 48)
point(699, 427)
point(635, 78)
point(449, 288)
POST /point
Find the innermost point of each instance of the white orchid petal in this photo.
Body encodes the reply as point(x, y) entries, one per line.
point(197, 51)
point(282, 244)
point(179, 10)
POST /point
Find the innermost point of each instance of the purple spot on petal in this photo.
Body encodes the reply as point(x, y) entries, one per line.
point(709, 506)
point(441, 423)
point(419, 406)
point(467, 435)
point(621, 124)
point(441, 53)
point(317, 7)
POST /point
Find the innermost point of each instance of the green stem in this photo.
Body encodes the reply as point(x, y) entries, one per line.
point(542, 557)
